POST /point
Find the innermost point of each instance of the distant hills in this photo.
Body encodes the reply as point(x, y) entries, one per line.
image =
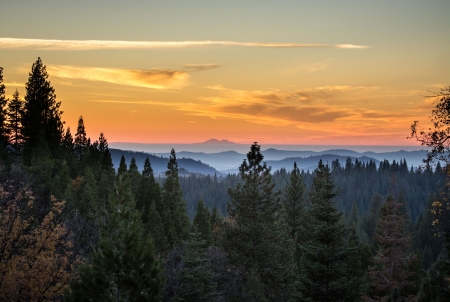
point(221, 163)
point(229, 161)
point(214, 141)
point(186, 166)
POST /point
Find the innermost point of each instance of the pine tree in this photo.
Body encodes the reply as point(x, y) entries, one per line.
point(324, 253)
point(41, 111)
point(14, 125)
point(294, 203)
point(176, 222)
point(122, 167)
point(202, 222)
point(156, 230)
point(149, 195)
point(393, 271)
point(374, 210)
point(216, 223)
point(135, 177)
point(4, 134)
point(124, 267)
point(41, 171)
point(81, 141)
point(294, 208)
point(254, 288)
point(253, 232)
point(195, 278)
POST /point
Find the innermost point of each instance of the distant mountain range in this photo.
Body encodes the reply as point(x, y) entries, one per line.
point(222, 163)
point(214, 141)
point(186, 166)
point(229, 161)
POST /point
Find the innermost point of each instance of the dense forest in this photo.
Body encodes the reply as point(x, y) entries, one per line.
point(73, 227)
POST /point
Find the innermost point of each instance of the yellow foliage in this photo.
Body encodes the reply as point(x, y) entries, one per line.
point(34, 261)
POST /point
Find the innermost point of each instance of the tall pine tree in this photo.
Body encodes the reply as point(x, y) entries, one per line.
point(324, 253)
point(124, 267)
point(176, 222)
point(14, 125)
point(254, 235)
point(41, 111)
point(393, 270)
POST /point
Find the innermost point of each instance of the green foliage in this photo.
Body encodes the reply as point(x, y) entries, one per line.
point(395, 267)
point(4, 131)
point(202, 223)
point(254, 288)
point(253, 232)
point(294, 203)
point(176, 220)
point(124, 267)
point(41, 112)
point(122, 167)
point(14, 125)
point(324, 272)
point(81, 141)
point(195, 278)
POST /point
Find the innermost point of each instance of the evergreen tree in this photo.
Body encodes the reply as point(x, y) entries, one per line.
point(149, 195)
point(195, 278)
point(122, 167)
point(393, 271)
point(156, 229)
point(81, 141)
point(124, 267)
point(375, 206)
point(216, 222)
point(254, 288)
point(148, 192)
point(202, 222)
point(41, 111)
point(176, 222)
point(4, 134)
point(254, 234)
point(324, 253)
point(135, 177)
point(41, 171)
point(294, 204)
point(14, 125)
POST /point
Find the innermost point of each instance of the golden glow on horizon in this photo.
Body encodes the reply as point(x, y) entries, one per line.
point(183, 72)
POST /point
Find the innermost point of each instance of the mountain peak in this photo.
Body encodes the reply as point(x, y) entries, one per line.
point(214, 141)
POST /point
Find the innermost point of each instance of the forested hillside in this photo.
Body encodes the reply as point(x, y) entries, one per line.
point(75, 227)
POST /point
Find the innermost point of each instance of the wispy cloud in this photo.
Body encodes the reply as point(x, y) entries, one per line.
point(153, 78)
point(302, 107)
point(14, 84)
point(351, 46)
point(200, 67)
point(46, 44)
point(316, 67)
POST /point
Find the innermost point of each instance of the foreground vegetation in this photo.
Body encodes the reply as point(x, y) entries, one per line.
point(74, 228)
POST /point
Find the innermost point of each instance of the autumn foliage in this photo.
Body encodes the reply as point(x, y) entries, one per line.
point(34, 256)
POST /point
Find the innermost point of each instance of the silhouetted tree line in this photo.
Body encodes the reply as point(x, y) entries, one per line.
point(74, 228)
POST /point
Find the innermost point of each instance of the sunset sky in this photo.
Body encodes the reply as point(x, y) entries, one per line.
point(276, 72)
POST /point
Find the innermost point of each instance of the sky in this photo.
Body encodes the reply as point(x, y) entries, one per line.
point(276, 72)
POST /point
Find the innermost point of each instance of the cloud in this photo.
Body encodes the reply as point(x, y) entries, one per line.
point(302, 107)
point(351, 46)
point(153, 78)
point(315, 67)
point(13, 84)
point(47, 44)
point(200, 67)
point(318, 108)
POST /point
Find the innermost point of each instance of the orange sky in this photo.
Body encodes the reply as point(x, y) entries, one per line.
point(290, 73)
